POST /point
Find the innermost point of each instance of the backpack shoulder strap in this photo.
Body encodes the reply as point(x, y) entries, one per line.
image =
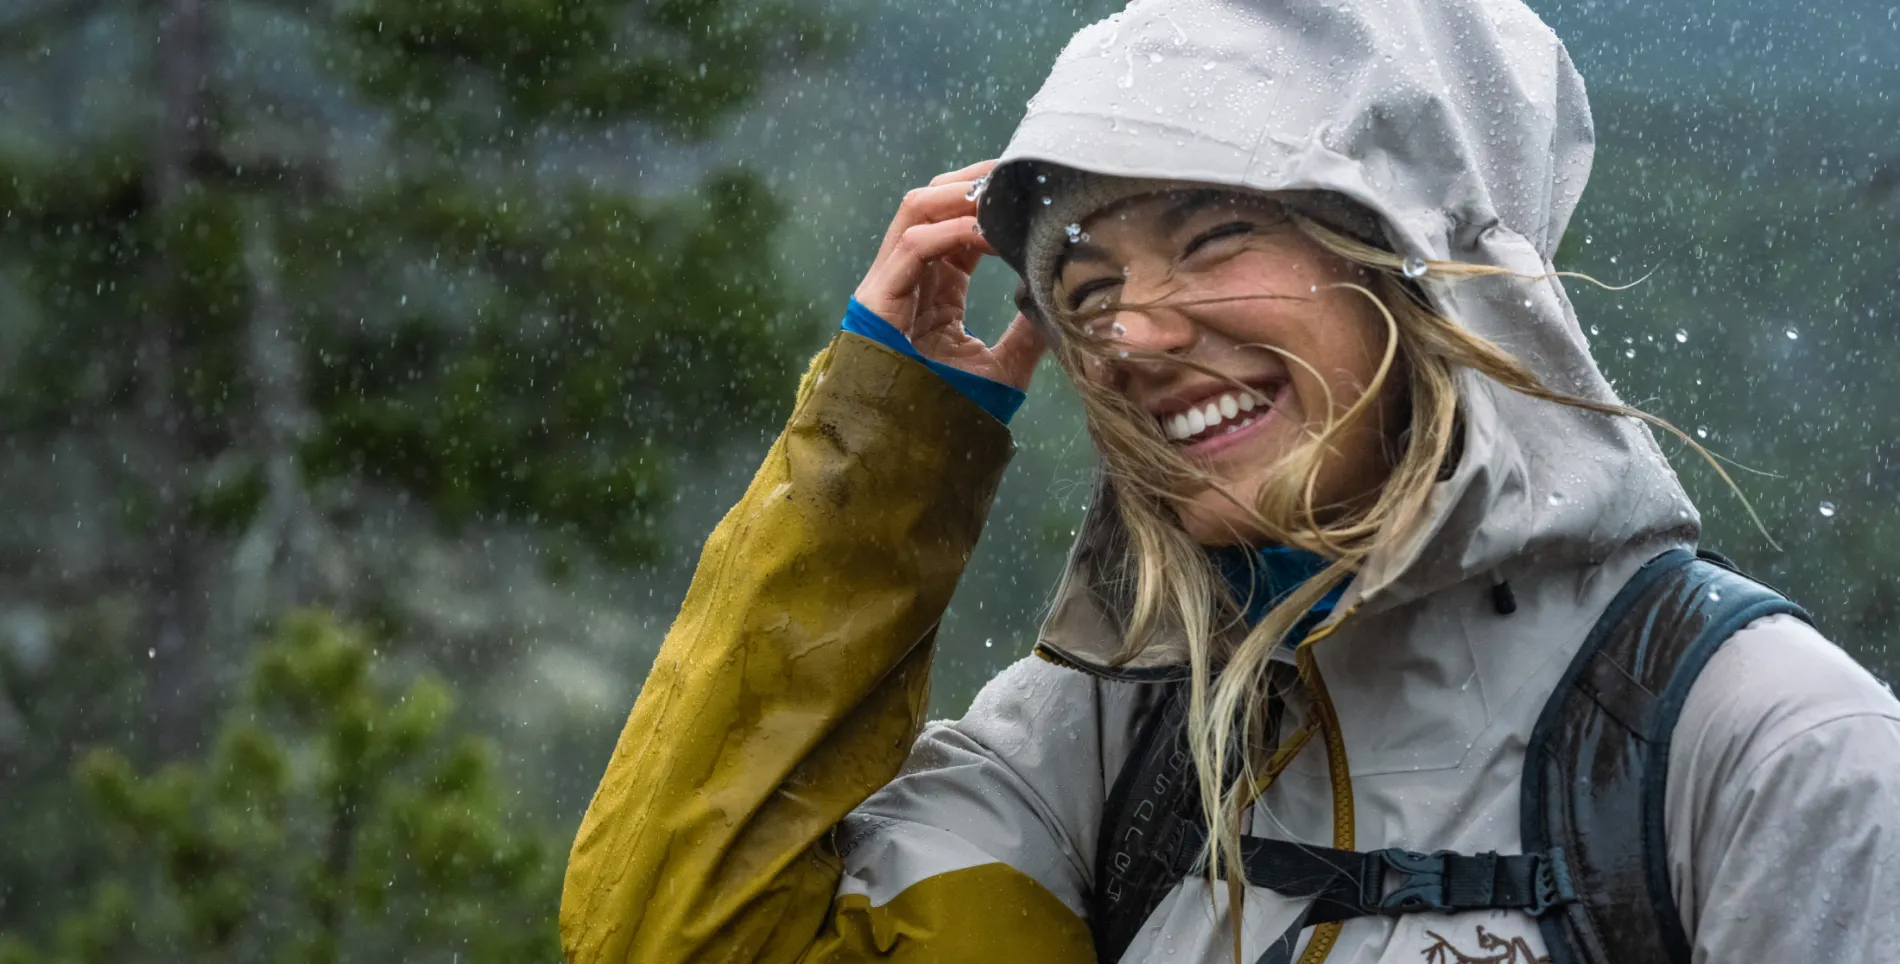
point(1150, 835)
point(1596, 770)
point(1153, 831)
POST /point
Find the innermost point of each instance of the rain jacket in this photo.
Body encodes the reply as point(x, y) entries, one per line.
point(776, 797)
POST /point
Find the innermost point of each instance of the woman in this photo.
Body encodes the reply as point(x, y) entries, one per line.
point(1364, 494)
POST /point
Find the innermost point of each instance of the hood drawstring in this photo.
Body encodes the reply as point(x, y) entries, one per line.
point(1502, 598)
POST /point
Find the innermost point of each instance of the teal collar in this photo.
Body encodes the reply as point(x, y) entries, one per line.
point(1272, 573)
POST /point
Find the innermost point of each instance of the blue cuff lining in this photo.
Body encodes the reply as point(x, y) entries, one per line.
point(994, 397)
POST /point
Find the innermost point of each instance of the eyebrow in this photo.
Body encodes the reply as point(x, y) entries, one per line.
point(1177, 214)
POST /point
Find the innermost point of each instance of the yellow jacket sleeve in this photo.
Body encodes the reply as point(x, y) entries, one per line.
point(790, 688)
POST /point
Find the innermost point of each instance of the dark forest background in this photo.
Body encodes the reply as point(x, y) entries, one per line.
point(370, 372)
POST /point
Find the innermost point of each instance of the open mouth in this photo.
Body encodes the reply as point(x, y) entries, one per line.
point(1217, 415)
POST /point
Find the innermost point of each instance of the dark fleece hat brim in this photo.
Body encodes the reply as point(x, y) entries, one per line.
point(1030, 212)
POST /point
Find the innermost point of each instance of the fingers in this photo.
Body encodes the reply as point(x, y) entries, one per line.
point(892, 282)
point(925, 205)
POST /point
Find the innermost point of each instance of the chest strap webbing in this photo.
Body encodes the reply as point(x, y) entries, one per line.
point(1349, 883)
point(1340, 885)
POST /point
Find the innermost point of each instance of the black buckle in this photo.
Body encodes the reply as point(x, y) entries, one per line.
point(1421, 885)
point(1551, 885)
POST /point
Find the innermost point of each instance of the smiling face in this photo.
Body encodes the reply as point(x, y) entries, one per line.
point(1228, 282)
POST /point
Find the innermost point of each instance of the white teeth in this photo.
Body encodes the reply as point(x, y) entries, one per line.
point(1224, 409)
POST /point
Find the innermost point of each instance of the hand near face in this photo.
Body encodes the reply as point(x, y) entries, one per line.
point(920, 282)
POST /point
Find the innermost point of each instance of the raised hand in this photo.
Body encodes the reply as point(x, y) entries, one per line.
point(920, 282)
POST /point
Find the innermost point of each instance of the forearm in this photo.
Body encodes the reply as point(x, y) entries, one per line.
point(795, 676)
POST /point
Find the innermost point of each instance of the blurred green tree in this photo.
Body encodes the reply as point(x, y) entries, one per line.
point(258, 257)
point(334, 819)
point(372, 242)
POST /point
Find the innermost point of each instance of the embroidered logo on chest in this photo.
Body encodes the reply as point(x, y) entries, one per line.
point(1490, 949)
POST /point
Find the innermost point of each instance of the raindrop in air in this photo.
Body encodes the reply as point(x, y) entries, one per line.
point(1414, 267)
point(1681, 336)
point(1792, 334)
point(1827, 509)
point(1701, 432)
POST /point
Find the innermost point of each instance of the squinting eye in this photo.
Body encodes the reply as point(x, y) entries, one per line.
point(1088, 290)
point(1229, 230)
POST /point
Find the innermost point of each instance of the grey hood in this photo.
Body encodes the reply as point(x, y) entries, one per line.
point(1463, 125)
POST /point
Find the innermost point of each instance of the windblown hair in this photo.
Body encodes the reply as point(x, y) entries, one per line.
point(1172, 591)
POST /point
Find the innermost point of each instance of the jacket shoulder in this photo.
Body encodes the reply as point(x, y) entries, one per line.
point(1787, 751)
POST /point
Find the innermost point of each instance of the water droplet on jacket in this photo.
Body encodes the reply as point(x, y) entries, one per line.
point(1042, 179)
point(1827, 509)
point(1715, 596)
point(1414, 267)
point(1047, 201)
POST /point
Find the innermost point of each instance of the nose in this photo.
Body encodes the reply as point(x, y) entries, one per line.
point(1156, 329)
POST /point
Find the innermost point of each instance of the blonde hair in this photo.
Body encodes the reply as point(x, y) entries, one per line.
point(1169, 586)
